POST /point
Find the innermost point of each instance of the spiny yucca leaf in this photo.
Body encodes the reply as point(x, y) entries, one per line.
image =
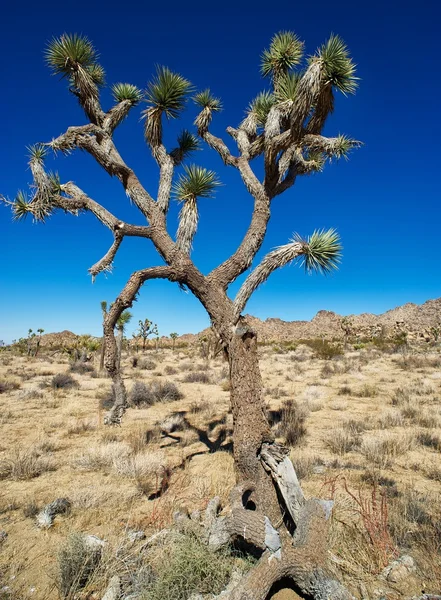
point(343, 146)
point(338, 65)
point(287, 87)
point(196, 182)
point(167, 92)
point(321, 251)
point(97, 74)
point(37, 152)
point(123, 319)
point(284, 53)
point(126, 91)
point(187, 143)
point(205, 99)
point(260, 107)
point(69, 51)
point(54, 182)
point(21, 206)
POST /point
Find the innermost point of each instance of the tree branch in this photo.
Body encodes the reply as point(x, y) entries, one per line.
point(240, 261)
point(105, 264)
point(274, 260)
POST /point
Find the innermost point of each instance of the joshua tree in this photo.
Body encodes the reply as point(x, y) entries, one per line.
point(121, 323)
point(282, 130)
point(103, 305)
point(37, 348)
point(346, 325)
point(174, 337)
point(146, 329)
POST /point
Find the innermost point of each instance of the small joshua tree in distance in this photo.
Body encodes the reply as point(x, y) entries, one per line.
point(283, 131)
point(145, 330)
point(121, 323)
point(173, 337)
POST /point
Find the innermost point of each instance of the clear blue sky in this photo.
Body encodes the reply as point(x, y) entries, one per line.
point(385, 201)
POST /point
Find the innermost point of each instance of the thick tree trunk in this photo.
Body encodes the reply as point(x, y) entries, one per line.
point(112, 359)
point(103, 349)
point(251, 427)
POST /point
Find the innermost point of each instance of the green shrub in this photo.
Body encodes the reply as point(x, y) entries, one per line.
point(190, 568)
point(77, 562)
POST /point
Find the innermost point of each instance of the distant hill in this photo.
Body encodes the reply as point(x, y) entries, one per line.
point(414, 319)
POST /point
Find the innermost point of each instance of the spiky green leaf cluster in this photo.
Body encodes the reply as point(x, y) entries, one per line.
point(343, 146)
point(97, 74)
point(260, 107)
point(21, 206)
point(167, 92)
point(287, 87)
point(126, 91)
point(338, 65)
point(123, 319)
point(187, 143)
point(205, 99)
point(321, 251)
point(37, 152)
point(196, 182)
point(70, 51)
point(284, 53)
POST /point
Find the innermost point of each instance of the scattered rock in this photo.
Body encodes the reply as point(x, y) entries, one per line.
point(3, 536)
point(399, 569)
point(134, 536)
point(45, 518)
point(113, 591)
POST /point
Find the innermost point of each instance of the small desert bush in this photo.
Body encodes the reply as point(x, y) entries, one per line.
point(146, 365)
point(63, 381)
point(189, 569)
point(169, 370)
point(147, 394)
point(8, 385)
point(367, 391)
point(341, 441)
point(25, 464)
point(381, 451)
point(276, 392)
point(141, 437)
point(76, 562)
point(290, 422)
point(197, 377)
point(327, 371)
point(80, 426)
point(429, 440)
point(30, 394)
point(324, 349)
point(391, 418)
point(82, 368)
point(345, 390)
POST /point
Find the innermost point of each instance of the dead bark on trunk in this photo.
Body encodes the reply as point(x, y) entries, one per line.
point(269, 514)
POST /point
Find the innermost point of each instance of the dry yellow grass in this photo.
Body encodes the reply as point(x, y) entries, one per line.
point(365, 416)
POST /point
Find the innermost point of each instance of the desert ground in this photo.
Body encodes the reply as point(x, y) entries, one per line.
point(364, 428)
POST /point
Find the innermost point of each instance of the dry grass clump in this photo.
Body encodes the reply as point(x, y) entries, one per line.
point(120, 459)
point(76, 561)
point(341, 441)
point(391, 418)
point(30, 394)
point(381, 451)
point(345, 390)
point(80, 426)
point(197, 377)
point(143, 394)
point(9, 385)
point(429, 440)
point(22, 464)
point(169, 370)
point(367, 391)
point(289, 422)
point(64, 381)
point(82, 368)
